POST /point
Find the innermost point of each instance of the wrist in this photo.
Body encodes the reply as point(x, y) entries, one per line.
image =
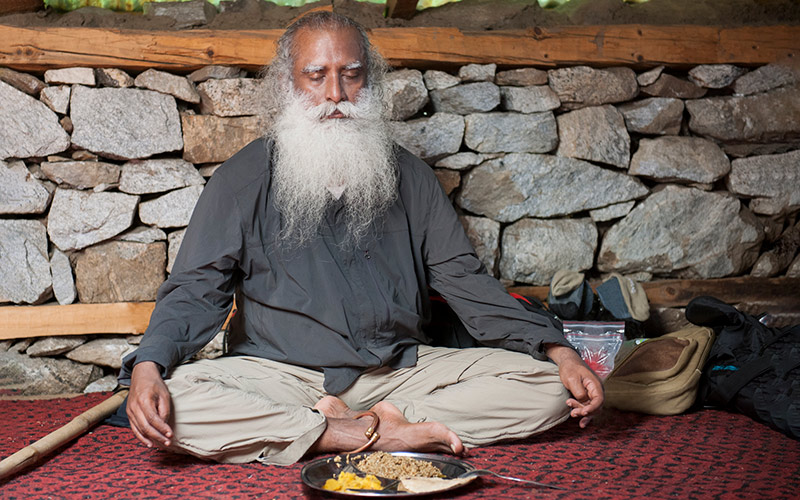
point(147, 368)
point(560, 353)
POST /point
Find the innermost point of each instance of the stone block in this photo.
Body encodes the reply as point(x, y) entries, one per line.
point(173, 209)
point(522, 77)
point(103, 351)
point(405, 93)
point(477, 72)
point(763, 79)
point(654, 116)
point(56, 98)
point(63, 281)
point(683, 232)
point(715, 76)
point(680, 159)
point(511, 132)
point(212, 139)
point(595, 134)
point(120, 271)
point(24, 264)
point(27, 126)
point(527, 185)
point(125, 123)
point(158, 176)
point(437, 80)
point(533, 99)
point(70, 76)
point(232, 97)
point(167, 83)
point(113, 77)
point(581, 86)
point(430, 138)
point(672, 86)
point(774, 177)
point(81, 174)
point(20, 191)
point(533, 249)
point(770, 117)
point(35, 376)
point(466, 98)
point(79, 219)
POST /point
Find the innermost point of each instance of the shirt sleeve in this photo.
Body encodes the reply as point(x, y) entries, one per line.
point(194, 302)
point(492, 316)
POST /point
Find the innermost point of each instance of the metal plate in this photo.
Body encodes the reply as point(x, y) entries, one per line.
point(315, 473)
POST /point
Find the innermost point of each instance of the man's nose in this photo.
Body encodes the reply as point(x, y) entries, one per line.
point(335, 91)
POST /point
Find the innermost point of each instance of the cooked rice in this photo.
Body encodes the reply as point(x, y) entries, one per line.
point(396, 467)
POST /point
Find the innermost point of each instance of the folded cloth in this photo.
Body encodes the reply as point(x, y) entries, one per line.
point(624, 298)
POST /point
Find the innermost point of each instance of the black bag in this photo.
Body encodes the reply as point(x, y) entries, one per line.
point(752, 369)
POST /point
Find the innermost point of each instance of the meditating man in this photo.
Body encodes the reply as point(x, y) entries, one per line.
point(329, 235)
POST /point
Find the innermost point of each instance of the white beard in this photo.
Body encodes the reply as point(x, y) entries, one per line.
point(314, 155)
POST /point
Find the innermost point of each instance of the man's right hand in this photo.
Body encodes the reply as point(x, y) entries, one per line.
point(149, 405)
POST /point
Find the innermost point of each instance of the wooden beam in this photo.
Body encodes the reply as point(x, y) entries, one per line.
point(11, 6)
point(74, 319)
point(774, 295)
point(778, 293)
point(401, 9)
point(38, 49)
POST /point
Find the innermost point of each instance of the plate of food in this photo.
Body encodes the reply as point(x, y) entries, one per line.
point(395, 474)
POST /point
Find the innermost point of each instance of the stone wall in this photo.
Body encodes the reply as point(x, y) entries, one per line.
point(659, 174)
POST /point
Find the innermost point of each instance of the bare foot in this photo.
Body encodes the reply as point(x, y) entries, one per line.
point(333, 407)
point(398, 434)
point(343, 433)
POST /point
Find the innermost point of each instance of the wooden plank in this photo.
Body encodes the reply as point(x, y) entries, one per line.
point(38, 49)
point(11, 6)
point(780, 294)
point(774, 295)
point(401, 9)
point(74, 319)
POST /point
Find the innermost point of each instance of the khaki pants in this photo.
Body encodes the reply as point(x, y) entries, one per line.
point(241, 409)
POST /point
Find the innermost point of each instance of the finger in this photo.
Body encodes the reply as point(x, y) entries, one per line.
point(584, 422)
point(134, 421)
point(159, 420)
point(576, 408)
point(595, 397)
point(139, 435)
point(149, 424)
point(577, 389)
point(159, 430)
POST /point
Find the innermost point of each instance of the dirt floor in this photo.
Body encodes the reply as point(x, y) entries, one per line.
point(467, 14)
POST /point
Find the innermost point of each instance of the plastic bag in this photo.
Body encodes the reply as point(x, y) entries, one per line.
point(597, 342)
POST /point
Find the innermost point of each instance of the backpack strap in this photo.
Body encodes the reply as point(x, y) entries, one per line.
point(732, 384)
point(725, 391)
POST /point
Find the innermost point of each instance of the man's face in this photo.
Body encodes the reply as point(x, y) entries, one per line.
point(329, 66)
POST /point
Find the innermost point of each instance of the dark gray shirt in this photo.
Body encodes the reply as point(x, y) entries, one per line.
point(324, 306)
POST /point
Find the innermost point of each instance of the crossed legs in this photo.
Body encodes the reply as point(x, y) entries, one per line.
point(240, 409)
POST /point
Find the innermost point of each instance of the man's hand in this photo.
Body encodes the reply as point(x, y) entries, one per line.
point(149, 405)
point(580, 380)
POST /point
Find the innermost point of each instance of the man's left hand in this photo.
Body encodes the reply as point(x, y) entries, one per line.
point(580, 380)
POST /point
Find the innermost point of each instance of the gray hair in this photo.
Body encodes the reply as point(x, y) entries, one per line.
point(278, 74)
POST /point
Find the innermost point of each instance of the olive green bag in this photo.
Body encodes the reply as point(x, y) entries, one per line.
point(660, 376)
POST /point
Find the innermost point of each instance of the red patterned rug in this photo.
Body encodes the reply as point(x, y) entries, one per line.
point(705, 454)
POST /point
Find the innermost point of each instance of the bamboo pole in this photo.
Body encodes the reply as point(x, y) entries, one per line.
point(32, 454)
